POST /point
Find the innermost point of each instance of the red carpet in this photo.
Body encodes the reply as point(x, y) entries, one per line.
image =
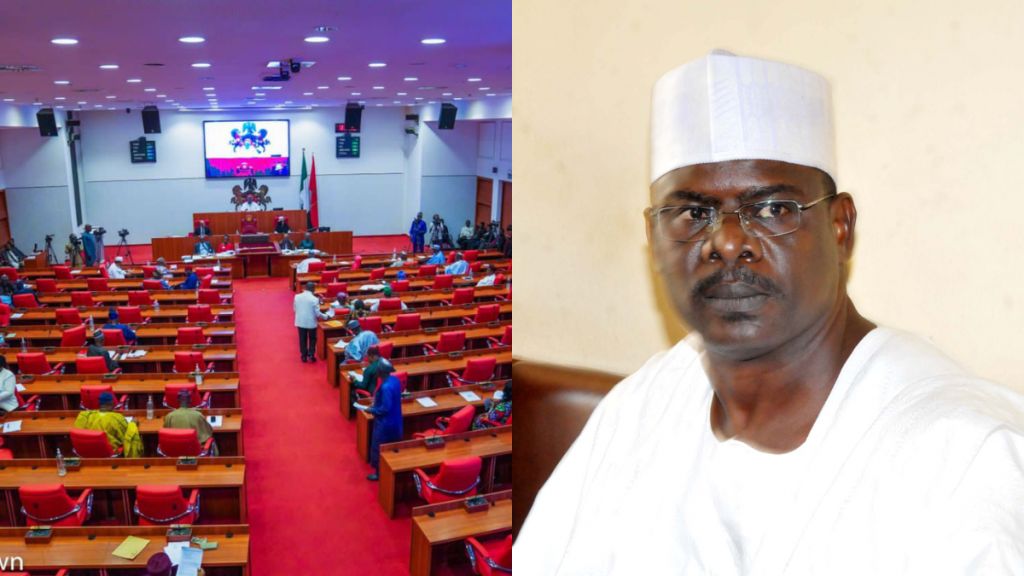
point(311, 509)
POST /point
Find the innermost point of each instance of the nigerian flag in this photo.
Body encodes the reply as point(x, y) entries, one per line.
point(302, 182)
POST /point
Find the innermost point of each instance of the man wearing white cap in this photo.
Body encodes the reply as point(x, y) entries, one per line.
point(114, 271)
point(787, 434)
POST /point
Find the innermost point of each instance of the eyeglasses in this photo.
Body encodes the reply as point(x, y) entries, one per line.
point(691, 222)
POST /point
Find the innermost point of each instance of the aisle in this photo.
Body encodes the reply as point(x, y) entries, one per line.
point(311, 509)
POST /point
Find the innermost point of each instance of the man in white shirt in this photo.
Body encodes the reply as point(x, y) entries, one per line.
point(250, 204)
point(307, 311)
point(303, 267)
point(8, 388)
point(114, 271)
point(787, 434)
point(457, 268)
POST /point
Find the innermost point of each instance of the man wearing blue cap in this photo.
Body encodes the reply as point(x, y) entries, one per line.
point(113, 322)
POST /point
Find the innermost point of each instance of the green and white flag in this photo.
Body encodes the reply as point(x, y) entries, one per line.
point(302, 183)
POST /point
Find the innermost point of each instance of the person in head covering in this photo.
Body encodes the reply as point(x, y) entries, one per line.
point(226, 245)
point(203, 246)
point(497, 411)
point(787, 434)
point(114, 270)
point(374, 372)
point(159, 564)
point(307, 242)
point(386, 293)
point(94, 347)
point(114, 322)
point(120, 432)
point(281, 225)
point(401, 275)
point(489, 276)
point(437, 257)
point(387, 415)
point(458, 268)
point(185, 417)
point(355, 349)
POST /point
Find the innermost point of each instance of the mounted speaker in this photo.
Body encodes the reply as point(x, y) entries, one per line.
point(448, 112)
point(150, 120)
point(47, 122)
point(353, 117)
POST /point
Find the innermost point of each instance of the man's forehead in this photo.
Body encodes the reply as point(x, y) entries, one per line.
point(738, 178)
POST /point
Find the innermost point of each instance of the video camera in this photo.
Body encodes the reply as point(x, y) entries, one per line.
point(99, 232)
point(123, 233)
point(74, 240)
point(49, 238)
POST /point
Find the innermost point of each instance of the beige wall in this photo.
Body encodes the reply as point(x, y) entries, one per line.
point(929, 100)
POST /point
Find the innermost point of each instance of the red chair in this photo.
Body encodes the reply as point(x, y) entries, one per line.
point(186, 362)
point(37, 364)
point(148, 271)
point(490, 557)
point(458, 422)
point(450, 258)
point(62, 272)
point(93, 444)
point(152, 284)
point(98, 284)
point(428, 270)
point(399, 286)
point(334, 288)
point(90, 396)
point(191, 335)
point(462, 296)
point(178, 442)
point(328, 276)
point(172, 390)
point(73, 337)
point(113, 337)
point(5, 453)
point(50, 505)
point(457, 478)
point(470, 255)
point(403, 379)
point(315, 267)
point(92, 365)
point(443, 281)
point(377, 273)
point(140, 297)
point(104, 273)
point(30, 405)
point(5, 315)
point(82, 299)
point(206, 282)
point(372, 324)
point(477, 370)
point(506, 339)
point(24, 301)
point(205, 271)
point(448, 342)
point(161, 505)
point(131, 315)
point(386, 304)
point(46, 286)
point(357, 262)
point(476, 267)
point(199, 313)
point(11, 273)
point(484, 314)
point(407, 322)
point(68, 316)
point(209, 297)
point(386, 349)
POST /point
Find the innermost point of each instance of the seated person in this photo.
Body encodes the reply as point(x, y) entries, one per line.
point(361, 341)
point(387, 294)
point(202, 228)
point(120, 432)
point(8, 388)
point(161, 267)
point(113, 322)
point(458, 268)
point(94, 347)
point(114, 271)
point(358, 310)
point(286, 243)
point(203, 247)
point(226, 245)
point(303, 267)
point(250, 204)
point(497, 411)
point(437, 257)
point(163, 277)
point(401, 259)
point(489, 276)
point(191, 280)
point(6, 286)
point(281, 226)
point(340, 303)
point(376, 370)
point(307, 243)
point(185, 417)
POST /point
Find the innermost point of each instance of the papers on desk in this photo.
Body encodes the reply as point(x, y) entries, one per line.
point(173, 266)
point(216, 268)
point(215, 421)
point(499, 394)
point(16, 315)
point(469, 396)
point(332, 324)
point(10, 335)
point(131, 547)
point(133, 354)
point(12, 426)
point(355, 375)
point(340, 344)
point(371, 287)
point(426, 402)
point(173, 551)
point(19, 387)
point(129, 418)
point(191, 560)
point(76, 271)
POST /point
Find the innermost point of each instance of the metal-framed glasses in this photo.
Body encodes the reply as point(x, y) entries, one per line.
point(693, 222)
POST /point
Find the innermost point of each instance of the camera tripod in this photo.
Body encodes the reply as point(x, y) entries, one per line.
point(127, 250)
point(51, 258)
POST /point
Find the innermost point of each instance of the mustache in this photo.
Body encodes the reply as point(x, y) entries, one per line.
point(735, 276)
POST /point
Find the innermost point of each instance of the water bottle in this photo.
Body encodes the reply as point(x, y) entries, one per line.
point(394, 253)
point(199, 376)
point(92, 325)
point(24, 346)
point(149, 407)
point(62, 470)
point(156, 305)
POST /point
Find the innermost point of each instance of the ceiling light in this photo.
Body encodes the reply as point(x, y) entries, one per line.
point(432, 41)
point(83, 102)
point(266, 88)
point(209, 88)
point(446, 94)
point(211, 95)
point(192, 39)
point(344, 78)
point(418, 98)
point(357, 93)
point(397, 102)
point(133, 80)
point(259, 94)
point(108, 66)
point(250, 102)
point(457, 98)
point(472, 79)
point(62, 82)
point(111, 97)
point(57, 98)
point(485, 88)
point(490, 94)
point(287, 101)
point(317, 39)
point(402, 94)
point(378, 87)
point(8, 99)
point(307, 93)
point(321, 87)
point(378, 64)
point(97, 105)
point(150, 90)
point(61, 107)
point(64, 41)
point(379, 105)
point(410, 78)
point(201, 65)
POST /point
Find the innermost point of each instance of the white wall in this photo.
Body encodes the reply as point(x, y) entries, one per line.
point(35, 177)
point(448, 185)
point(494, 159)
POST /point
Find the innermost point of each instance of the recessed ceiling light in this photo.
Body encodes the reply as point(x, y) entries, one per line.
point(83, 102)
point(57, 98)
point(432, 41)
point(133, 80)
point(397, 102)
point(192, 39)
point(344, 78)
point(97, 105)
point(266, 88)
point(62, 82)
point(457, 98)
point(211, 95)
point(61, 107)
point(378, 64)
point(378, 87)
point(402, 94)
point(108, 67)
point(273, 64)
point(357, 93)
point(111, 97)
point(150, 90)
point(287, 101)
point(161, 95)
point(317, 39)
point(209, 88)
point(472, 79)
point(250, 103)
point(379, 105)
point(8, 99)
point(418, 98)
point(307, 93)
point(446, 94)
point(201, 65)
point(490, 94)
point(259, 94)
point(485, 88)
point(410, 78)
point(321, 87)
point(64, 41)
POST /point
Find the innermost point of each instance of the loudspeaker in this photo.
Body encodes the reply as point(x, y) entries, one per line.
point(47, 122)
point(353, 117)
point(150, 120)
point(447, 121)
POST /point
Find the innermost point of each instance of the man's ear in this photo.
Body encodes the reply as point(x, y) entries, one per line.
point(844, 222)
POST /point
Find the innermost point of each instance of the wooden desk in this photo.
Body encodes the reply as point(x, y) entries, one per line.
point(63, 299)
point(230, 222)
point(363, 273)
point(133, 269)
point(43, 432)
point(62, 391)
point(448, 522)
point(81, 284)
point(157, 358)
point(404, 457)
point(173, 248)
point(91, 547)
point(415, 339)
point(221, 478)
point(163, 333)
point(170, 313)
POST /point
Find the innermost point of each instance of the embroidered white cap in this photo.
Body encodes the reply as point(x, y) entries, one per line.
point(724, 107)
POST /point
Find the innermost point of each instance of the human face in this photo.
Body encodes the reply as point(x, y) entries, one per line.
point(747, 295)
